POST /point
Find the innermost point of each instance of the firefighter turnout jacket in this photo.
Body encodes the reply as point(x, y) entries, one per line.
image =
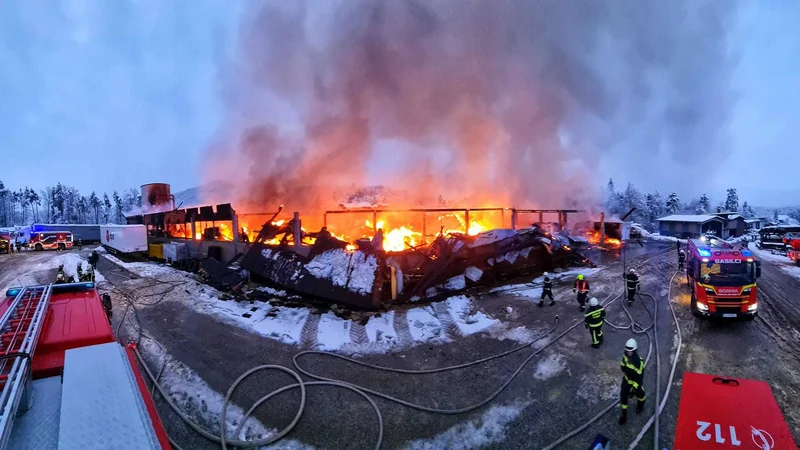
point(581, 286)
point(548, 284)
point(594, 316)
point(632, 281)
point(633, 368)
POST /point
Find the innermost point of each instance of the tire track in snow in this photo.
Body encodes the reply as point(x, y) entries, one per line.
point(358, 334)
point(401, 328)
point(308, 337)
point(449, 326)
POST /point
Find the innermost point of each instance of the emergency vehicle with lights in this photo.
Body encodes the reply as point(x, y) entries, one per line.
point(722, 279)
point(51, 240)
point(65, 382)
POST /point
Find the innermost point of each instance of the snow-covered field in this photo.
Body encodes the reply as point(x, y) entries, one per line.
point(26, 276)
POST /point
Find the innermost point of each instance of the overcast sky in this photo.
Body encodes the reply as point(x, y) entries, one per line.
point(106, 95)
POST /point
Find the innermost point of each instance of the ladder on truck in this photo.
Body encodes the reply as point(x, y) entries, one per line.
point(20, 327)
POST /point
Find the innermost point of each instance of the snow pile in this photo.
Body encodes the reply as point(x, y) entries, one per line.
point(785, 264)
point(423, 324)
point(380, 330)
point(473, 273)
point(550, 367)
point(355, 270)
point(459, 308)
point(144, 269)
point(488, 429)
point(271, 291)
point(332, 333)
point(203, 404)
point(491, 236)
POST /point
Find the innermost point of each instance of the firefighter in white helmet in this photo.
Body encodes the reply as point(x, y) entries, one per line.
point(547, 290)
point(594, 318)
point(632, 284)
point(633, 374)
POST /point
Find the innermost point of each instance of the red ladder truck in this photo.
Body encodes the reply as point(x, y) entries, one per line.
point(64, 381)
point(722, 279)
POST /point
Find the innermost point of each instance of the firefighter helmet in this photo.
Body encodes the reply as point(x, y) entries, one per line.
point(683, 252)
point(632, 270)
point(631, 345)
point(580, 277)
point(547, 274)
point(593, 302)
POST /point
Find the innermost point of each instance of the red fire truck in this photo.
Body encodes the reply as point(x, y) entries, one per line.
point(792, 241)
point(51, 240)
point(722, 279)
point(65, 382)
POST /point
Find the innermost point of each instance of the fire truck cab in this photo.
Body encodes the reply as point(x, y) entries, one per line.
point(722, 279)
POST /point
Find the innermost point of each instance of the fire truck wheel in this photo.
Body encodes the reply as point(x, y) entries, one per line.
point(191, 266)
point(61, 247)
point(38, 247)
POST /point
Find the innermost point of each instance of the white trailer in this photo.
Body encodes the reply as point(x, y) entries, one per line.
point(124, 238)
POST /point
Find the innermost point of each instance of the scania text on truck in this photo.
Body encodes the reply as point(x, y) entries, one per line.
point(722, 279)
point(51, 240)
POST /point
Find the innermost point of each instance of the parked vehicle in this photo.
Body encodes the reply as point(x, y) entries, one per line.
point(65, 381)
point(722, 279)
point(124, 238)
point(51, 240)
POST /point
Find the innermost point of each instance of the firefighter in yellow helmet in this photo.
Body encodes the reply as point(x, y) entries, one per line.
point(633, 369)
point(582, 288)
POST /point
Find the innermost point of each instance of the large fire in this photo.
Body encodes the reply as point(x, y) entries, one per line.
point(594, 238)
point(401, 230)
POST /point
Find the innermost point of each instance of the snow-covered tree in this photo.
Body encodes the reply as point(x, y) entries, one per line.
point(118, 216)
point(704, 205)
point(106, 208)
point(747, 210)
point(775, 216)
point(633, 199)
point(732, 201)
point(94, 203)
point(673, 203)
point(654, 209)
point(720, 207)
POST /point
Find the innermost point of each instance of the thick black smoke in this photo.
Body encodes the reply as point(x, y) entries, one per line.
point(503, 102)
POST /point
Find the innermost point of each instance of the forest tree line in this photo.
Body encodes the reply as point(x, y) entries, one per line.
point(64, 204)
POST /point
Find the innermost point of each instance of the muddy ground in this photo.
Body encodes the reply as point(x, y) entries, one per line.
point(565, 385)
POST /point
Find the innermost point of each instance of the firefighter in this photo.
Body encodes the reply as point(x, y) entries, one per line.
point(582, 288)
point(93, 259)
point(681, 260)
point(633, 373)
point(678, 245)
point(594, 318)
point(547, 290)
point(632, 284)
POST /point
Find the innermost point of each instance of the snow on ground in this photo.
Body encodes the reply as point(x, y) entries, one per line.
point(380, 330)
point(468, 323)
point(271, 291)
point(203, 404)
point(333, 332)
point(550, 367)
point(423, 324)
point(484, 431)
point(145, 269)
point(786, 264)
point(533, 290)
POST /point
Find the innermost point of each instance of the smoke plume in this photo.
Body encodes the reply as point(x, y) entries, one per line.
point(482, 102)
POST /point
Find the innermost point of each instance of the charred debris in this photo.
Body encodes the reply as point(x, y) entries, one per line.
point(364, 276)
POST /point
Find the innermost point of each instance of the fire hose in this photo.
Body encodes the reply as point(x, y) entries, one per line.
point(660, 407)
point(363, 391)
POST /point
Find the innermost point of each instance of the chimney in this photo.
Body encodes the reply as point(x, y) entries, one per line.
point(602, 228)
